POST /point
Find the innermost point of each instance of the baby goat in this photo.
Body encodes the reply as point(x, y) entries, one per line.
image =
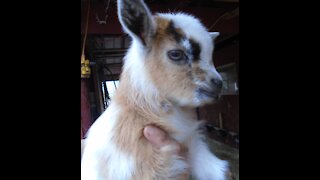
point(168, 71)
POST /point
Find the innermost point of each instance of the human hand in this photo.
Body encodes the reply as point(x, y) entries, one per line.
point(160, 139)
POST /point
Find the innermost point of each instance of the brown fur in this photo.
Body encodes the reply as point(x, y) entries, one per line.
point(161, 69)
point(199, 73)
point(135, 115)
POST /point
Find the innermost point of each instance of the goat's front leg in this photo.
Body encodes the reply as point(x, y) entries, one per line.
point(204, 164)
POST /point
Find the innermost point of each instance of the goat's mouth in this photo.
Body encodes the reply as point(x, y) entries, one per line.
point(208, 93)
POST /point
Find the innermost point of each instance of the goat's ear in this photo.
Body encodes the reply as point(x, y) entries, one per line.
point(136, 20)
point(214, 35)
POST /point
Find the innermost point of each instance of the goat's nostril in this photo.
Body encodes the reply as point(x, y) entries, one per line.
point(217, 83)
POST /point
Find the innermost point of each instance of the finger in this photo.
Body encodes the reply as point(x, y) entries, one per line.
point(160, 139)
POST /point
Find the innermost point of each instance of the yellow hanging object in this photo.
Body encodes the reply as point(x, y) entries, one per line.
point(85, 68)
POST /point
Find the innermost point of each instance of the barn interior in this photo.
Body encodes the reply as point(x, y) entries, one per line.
point(104, 44)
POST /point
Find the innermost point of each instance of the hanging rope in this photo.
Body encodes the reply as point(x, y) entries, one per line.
point(86, 30)
point(225, 15)
point(85, 68)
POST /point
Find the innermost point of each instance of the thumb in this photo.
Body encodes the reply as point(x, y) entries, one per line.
point(159, 139)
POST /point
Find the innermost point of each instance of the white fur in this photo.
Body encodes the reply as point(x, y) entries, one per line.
point(186, 44)
point(184, 123)
point(205, 165)
point(100, 157)
point(134, 63)
point(179, 165)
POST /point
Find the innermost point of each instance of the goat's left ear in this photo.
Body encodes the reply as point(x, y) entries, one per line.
point(214, 35)
point(136, 20)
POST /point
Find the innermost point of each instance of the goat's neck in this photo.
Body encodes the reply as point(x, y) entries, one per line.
point(133, 95)
point(179, 122)
point(146, 99)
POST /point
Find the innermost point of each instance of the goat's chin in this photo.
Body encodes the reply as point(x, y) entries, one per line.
point(201, 101)
point(196, 102)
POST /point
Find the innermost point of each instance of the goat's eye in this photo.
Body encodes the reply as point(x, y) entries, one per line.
point(176, 55)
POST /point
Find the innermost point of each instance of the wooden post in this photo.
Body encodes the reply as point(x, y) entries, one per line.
point(97, 89)
point(85, 107)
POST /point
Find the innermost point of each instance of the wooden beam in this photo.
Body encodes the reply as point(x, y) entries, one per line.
point(97, 89)
point(215, 3)
point(85, 107)
point(226, 41)
point(208, 15)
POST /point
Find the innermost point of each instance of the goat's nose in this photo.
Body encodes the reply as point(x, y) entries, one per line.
point(216, 83)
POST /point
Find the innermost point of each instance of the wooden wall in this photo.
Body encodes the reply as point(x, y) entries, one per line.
point(227, 109)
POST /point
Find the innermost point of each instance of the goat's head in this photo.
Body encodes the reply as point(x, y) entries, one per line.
point(177, 54)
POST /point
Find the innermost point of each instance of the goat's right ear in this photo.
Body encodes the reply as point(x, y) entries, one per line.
point(136, 20)
point(214, 35)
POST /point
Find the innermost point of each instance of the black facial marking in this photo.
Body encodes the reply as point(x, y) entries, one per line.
point(171, 30)
point(195, 50)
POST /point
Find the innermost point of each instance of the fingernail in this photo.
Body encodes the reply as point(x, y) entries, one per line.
point(150, 131)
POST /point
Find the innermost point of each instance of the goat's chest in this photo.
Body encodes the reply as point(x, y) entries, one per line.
point(185, 126)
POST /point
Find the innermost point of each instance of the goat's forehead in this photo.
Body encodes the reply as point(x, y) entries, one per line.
point(186, 30)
